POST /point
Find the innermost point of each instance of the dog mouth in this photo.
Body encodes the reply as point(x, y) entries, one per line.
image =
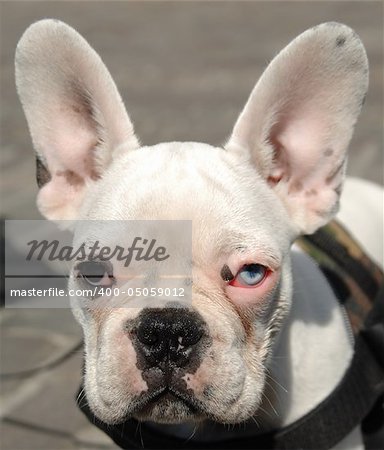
point(166, 400)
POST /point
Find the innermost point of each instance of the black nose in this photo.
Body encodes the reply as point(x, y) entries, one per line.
point(168, 335)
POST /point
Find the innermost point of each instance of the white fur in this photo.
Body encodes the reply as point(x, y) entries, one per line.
point(279, 175)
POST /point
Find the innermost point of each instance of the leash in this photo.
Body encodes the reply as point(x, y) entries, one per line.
point(357, 399)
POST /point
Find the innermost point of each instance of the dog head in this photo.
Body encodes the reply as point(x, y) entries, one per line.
point(280, 174)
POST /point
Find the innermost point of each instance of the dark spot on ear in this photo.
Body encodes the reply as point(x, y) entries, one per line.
point(43, 175)
point(334, 172)
point(328, 152)
point(322, 213)
point(311, 193)
point(338, 189)
point(70, 177)
point(340, 40)
point(297, 186)
point(226, 273)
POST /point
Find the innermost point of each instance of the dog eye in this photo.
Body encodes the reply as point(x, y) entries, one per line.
point(250, 275)
point(95, 273)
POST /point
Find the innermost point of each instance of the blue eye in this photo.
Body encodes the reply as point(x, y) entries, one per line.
point(250, 275)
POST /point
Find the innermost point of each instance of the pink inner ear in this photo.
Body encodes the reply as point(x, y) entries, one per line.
point(300, 117)
point(69, 142)
point(75, 114)
point(300, 146)
point(308, 166)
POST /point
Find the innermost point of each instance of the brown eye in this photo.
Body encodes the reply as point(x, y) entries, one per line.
point(95, 273)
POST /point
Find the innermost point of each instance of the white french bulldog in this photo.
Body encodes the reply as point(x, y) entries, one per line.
point(265, 337)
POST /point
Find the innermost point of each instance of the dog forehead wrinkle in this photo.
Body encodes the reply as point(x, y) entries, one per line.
point(179, 159)
point(256, 243)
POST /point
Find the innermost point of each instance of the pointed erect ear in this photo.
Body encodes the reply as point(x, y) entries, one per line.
point(299, 120)
point(75, 114)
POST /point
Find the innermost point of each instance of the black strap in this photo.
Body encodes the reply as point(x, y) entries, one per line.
point(343, 410)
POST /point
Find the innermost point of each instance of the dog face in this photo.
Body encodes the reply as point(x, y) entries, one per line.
point(234, 323)
point(279, 175)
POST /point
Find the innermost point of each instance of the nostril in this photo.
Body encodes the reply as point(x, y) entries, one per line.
point(189, 335)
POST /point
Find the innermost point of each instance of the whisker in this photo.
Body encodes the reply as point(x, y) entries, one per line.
point(276, 382)
point(193, 433)
point(270, 404)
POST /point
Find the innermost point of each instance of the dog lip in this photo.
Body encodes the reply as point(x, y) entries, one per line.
point(166, 392)
point(186, 399)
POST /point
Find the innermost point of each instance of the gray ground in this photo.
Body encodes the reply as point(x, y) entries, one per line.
point(184, 70)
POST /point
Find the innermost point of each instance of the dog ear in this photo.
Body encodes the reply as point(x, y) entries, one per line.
point(75, 114)
point(299, 120)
